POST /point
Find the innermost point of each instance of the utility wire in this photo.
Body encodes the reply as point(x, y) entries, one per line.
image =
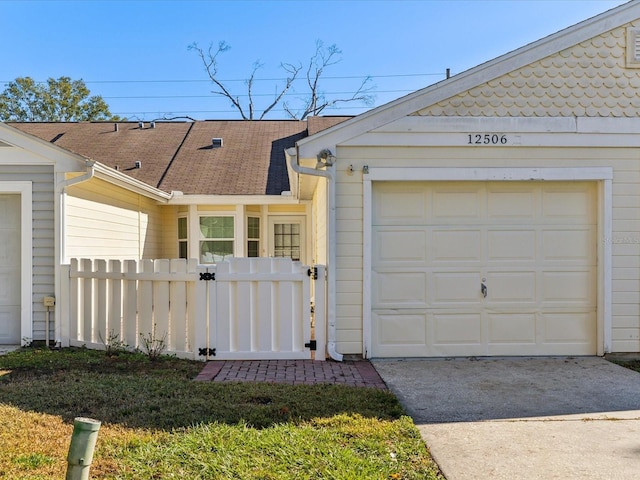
point(255, 79)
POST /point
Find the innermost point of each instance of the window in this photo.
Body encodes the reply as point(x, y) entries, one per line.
point(216, 239)
point(253, 237)
point(286, 239)
point(183, 238)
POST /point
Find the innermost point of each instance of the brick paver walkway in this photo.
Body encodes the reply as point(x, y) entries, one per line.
point(293, 372)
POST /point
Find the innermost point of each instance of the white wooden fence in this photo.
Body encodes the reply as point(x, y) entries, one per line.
point(244, 308)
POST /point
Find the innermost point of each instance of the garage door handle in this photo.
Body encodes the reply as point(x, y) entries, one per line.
point(483, 289)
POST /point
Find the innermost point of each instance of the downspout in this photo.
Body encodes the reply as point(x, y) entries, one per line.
point(328, 173)
point(60, 234)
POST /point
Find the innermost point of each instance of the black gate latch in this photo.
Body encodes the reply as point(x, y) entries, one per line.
point(207, 276)
point(311, 345)
point(313, 273)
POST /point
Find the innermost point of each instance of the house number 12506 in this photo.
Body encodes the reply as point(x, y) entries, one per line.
point(487, 139)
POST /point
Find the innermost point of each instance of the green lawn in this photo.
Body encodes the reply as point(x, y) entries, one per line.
point(158, 423)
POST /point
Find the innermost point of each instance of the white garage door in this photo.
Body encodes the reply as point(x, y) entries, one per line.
point(439, 247)
point(9, 269)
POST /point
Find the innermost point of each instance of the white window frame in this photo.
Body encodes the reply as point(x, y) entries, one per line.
point(200, 239)
point(284, 219)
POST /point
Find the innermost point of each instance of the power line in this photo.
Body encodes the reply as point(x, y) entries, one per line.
point(141, 97)
point(348, 77)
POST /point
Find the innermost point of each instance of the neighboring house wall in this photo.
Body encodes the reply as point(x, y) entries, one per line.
point(108, 222)
point(42, 178)
point(591, 79)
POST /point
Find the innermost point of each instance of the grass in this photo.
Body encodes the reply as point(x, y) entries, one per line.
point(160, 424)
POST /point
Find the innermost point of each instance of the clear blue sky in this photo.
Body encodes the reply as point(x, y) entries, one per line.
point(128, 50)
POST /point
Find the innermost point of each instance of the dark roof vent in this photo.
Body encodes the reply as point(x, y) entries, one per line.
point(216, 142)
point(138, 164)
point(140, 125)
point(115, 127)
point(152, 125)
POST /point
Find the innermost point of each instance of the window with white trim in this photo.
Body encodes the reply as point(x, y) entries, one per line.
point(183, 238)
point(286, 240)
point(253, 236)
point(216, 238)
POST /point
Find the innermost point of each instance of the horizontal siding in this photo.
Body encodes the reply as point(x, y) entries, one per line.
point(42, 178)
point(626, 220)
point(105, 221)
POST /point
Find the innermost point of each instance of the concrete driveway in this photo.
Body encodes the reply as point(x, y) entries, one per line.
point(523, 418)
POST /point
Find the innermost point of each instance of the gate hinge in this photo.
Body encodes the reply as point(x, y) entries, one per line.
point(311, 345)
point(203, 352)
point(208, 276)
point(313, 273)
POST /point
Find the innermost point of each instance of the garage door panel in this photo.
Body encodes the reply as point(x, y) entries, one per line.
point(454, 288)
point(400, 206)
point(511, 287)
point(511, 246)
point(569, 287)
point(400, 246)
point(455, 203)
point(457, 329)
point(402, 329)
point(511, 205)
point(568, 246)
point(568, 205)
point(10, 269)
point(456, 246)
point(570, 328)
point(9, 327)
point(400, 289)
point(512, 328)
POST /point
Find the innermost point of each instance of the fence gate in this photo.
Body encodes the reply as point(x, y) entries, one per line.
point(257, 308)
point(242, 309)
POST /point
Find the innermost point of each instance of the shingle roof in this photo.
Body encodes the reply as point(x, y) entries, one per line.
point(180, 156)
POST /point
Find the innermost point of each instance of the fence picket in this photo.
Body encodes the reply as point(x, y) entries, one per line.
point(130, 305)
point(115, 300)
point(100, 299)
point(256, 308)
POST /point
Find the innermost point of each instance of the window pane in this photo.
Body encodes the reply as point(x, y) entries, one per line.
point(253, 227)
point(182, 250)
point(286, 240)
point(214, 251)
point(182, 228)
point(253, 248)
point(216, 227)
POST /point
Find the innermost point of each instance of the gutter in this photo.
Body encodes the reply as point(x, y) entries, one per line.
point(328, 173)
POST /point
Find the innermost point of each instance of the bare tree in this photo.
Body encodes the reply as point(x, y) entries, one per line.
point(316, 101)
point(313, 101)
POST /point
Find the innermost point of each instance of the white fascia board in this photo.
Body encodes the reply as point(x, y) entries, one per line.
point(336, 135)
point(419, 124)
point(49, 153)
point(120, 179)
point(233, 200)
point(415, 131)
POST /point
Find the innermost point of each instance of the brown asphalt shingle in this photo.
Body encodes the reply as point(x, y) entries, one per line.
point(179, 155)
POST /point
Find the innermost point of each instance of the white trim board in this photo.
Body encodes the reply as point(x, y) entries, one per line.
point(604, 175)
point(24, 189)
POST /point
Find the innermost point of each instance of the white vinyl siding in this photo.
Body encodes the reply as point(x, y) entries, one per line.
point(104, 221)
